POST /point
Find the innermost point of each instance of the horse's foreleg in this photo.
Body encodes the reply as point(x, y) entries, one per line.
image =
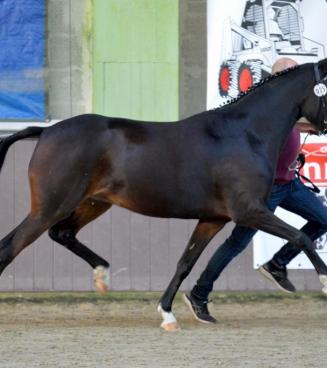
point(263, 219)
point(64, 233)
point(19, 238)
point(201, 236)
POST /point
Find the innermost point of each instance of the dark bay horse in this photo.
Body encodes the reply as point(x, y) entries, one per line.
point(215, 166)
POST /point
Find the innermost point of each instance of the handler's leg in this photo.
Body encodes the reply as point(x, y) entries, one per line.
point(198, 298)
point(262, 219)
point(306, 204)
point(234, 245)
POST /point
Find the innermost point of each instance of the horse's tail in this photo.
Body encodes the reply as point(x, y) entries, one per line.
point(6, 142)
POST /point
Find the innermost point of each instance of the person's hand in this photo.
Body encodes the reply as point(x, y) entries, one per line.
point(306, 127)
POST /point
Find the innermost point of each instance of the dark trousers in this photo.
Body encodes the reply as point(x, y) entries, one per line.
point(294, 197)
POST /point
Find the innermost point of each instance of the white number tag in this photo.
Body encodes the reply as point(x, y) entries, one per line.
point(320, 90)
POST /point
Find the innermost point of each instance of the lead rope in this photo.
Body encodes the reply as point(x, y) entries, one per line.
point(297, 165)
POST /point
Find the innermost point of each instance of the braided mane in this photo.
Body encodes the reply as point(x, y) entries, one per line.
point(256, 85)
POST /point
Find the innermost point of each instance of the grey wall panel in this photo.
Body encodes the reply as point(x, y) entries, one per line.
point(43, 264)
point(7, 213)
point(62, 268)
point(159, 254)
point(121, 247)
point(24, 265)
point(140, 252)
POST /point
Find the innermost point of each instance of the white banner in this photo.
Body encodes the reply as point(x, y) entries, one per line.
point(245, 37)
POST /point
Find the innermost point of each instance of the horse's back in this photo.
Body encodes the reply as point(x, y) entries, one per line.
point(158, 169)
point(99, 152)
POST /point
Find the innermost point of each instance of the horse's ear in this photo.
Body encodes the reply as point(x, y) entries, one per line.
point(323, 67)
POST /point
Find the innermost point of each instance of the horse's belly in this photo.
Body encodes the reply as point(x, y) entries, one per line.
point(168, 207)
point(163, 190)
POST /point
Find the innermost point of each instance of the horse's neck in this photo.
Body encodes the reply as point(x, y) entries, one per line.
point(276, 108)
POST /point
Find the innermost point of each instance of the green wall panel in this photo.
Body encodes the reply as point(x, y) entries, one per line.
point(136, 58)
point(143, 91)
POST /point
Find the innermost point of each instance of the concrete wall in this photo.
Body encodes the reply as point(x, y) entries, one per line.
point(69, 53)
point(193, 57)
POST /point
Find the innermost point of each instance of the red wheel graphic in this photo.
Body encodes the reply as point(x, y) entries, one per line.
point(224, 80)
point(245, 78)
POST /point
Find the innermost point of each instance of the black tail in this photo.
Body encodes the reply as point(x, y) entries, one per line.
point(6, 142)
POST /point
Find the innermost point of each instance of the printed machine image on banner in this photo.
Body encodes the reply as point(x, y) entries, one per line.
point(245, 37)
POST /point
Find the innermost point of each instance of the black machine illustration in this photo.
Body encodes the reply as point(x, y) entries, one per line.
point(269, 29)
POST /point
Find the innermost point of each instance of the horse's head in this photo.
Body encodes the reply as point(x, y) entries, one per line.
point(314, 107)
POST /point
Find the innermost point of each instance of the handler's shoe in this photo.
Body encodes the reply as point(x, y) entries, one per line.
point(278, 275)
point(199, 308)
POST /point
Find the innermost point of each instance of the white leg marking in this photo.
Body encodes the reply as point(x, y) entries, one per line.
point(101, 278)
point(169, 322)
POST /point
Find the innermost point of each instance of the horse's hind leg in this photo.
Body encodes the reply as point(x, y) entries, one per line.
point(262, 219)
point(19, 238)
point(64, 232)
point(200, 238)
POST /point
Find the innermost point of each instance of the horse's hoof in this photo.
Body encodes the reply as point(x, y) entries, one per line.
point(170, 327)
point(169, 322)
point(101, 279)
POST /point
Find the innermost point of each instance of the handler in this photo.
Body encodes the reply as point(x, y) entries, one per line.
point(287, 192)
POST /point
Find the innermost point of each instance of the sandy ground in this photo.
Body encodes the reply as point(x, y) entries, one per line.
point(87, 331)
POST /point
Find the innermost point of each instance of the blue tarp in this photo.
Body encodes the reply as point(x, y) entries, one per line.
point(22, 59)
